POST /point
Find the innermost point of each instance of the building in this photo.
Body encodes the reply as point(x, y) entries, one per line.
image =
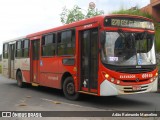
point(153, 8)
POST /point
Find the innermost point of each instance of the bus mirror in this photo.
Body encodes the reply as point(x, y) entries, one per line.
point(102, 37)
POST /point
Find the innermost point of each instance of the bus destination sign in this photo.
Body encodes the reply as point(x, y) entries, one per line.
point(129, 22)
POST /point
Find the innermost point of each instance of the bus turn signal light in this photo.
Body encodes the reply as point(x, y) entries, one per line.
point(106, 76)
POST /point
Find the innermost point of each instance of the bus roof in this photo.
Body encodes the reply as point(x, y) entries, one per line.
point(76, 24)
point(69, 26)
point(15, 39)
point(84, 22)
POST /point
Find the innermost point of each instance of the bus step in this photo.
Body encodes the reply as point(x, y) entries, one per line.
point(35, 84)
point(88, 93)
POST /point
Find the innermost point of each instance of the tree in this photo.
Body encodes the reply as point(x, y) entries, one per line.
point(75, 14)
point(94, 12)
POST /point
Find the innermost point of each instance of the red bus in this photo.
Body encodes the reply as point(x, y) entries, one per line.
point(103, 56)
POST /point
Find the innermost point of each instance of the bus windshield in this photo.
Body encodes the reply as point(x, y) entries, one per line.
point(126, 48)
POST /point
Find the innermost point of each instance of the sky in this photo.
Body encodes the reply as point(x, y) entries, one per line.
point(21, 17)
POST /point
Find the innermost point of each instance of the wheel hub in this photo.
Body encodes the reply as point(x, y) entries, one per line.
point(70, 88)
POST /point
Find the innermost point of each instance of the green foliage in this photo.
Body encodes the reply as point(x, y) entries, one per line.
point(94, 12)
point(75, 14)
point(69, 16)
point(158, 40)
point(133, 12)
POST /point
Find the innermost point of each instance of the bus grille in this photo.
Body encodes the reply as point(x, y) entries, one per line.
point(135, 91)
point(129, 89)
point(133, 81)
point(131, 69)
point(135, 70)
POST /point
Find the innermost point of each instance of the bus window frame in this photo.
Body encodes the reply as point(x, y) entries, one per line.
point(18, 57)
point(73, 30)
point(5, 51)
point(23, 48)
point(53, 43)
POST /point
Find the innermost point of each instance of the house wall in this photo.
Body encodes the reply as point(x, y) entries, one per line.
point(153, 8)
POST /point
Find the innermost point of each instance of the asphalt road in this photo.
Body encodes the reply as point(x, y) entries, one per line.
point(13, 98)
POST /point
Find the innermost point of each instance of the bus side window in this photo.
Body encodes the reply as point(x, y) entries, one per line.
point(48, 45)
point(26, 48)
point(5, 51)
point(66, 43)
point(19, 49)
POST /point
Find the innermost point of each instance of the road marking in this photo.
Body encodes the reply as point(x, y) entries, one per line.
point(72, 104)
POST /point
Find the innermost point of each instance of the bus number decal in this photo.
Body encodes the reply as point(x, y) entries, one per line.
point(113, 58)
point(116, 22)
point(147, 75)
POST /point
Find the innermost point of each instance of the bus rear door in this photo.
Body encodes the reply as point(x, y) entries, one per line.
point(35, 60)
point(11, 58)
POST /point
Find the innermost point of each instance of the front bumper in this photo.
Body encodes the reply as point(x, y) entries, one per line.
point(109, 89)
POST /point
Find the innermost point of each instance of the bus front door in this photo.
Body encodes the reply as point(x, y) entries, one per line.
point(89, 60)
point(35, 44)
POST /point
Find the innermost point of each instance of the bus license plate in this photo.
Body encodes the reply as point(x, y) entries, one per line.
point(136, 87)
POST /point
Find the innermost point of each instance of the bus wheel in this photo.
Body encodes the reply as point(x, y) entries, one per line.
point(20, 82)
point(69, 89)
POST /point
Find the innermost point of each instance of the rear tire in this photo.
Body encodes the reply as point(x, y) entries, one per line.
point(69, 89)
point(20, 82)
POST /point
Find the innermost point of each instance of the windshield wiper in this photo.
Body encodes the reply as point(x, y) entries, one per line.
point(130, 43)
point(122, 33)
point(144, 35)
point(141, 37)
point(128, 38)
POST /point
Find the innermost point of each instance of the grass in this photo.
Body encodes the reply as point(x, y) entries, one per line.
point(133, 12)
point(158, 44)
point(159, 67)
point(158, 40)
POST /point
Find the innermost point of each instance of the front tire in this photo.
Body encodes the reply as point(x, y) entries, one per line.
point(69, 89)
point(20, 82)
